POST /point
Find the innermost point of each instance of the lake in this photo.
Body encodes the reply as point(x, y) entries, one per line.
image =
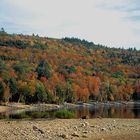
point(95, 110)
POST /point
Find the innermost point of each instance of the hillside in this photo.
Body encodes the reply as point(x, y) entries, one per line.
point(43, 69)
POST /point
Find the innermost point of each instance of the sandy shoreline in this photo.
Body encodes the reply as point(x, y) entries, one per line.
point(20, 106)
point(76, 129)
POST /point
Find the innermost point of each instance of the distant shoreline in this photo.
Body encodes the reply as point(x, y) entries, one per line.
point(20, 106)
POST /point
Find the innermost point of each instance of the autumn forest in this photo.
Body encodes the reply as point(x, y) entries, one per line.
point(42, 69)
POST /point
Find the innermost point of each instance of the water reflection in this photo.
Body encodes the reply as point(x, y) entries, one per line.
point(92, 111)
point(111, 111)
point(136, 110)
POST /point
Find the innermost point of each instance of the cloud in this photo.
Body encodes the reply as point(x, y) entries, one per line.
point(112, 23)
point(134, 18)
point(123, 5)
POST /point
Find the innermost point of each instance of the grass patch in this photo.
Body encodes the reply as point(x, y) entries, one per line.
point(39, 115)
point(31, 115)
point(2, 117)
point(64, 114)
point(19, 116)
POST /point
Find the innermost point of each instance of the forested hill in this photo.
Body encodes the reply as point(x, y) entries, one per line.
point(41, 69)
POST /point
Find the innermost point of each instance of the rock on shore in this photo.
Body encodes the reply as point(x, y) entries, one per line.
point(76, 129)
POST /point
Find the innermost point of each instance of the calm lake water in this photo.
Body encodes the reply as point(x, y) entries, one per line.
point(104, 110)
point(109, 111)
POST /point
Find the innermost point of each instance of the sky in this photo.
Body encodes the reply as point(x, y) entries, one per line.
point(115, 23)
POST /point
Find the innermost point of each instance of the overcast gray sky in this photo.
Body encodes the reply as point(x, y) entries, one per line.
point(115, 23)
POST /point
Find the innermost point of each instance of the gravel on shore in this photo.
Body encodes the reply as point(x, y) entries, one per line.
point(75, 129)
